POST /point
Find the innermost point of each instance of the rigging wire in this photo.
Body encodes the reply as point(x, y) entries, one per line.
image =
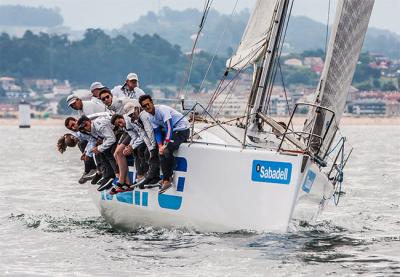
point(218, 46)
point(284, 89)
point(327, 26)
point(228, 95)
point(188, 71)
point(218, 90)
point(276, 61)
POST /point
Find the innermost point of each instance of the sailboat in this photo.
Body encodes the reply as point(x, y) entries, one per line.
point(237, 176)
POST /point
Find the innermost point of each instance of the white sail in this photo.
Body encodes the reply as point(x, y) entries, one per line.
point(255, 35)
point(347, 37)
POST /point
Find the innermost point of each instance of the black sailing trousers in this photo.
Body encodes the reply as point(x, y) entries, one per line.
point(167, 160)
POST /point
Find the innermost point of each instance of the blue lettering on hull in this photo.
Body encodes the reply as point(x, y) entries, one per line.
point(141, 198)
point(271, 172)
point(309, 181)
point(170, 202)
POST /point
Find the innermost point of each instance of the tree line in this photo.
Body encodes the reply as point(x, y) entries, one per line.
point(100, 57)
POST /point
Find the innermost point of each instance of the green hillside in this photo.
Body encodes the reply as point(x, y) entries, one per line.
point(303, 33)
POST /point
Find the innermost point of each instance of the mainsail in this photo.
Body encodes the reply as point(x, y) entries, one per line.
point(255, 36)
point(347, 37)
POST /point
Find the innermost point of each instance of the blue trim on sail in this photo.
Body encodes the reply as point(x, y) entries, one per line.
point(171, 202)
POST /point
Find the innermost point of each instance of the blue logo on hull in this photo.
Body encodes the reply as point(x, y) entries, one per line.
point(309, 181)
point(271, 172)
point(141, 198)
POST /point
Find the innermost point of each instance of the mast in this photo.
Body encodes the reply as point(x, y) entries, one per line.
point(267, 67)
point(260, 46)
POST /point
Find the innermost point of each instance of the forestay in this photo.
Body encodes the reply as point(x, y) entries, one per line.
point(255, 36)
point(347, 37)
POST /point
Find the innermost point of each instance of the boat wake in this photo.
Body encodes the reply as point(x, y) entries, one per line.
point(321, 243)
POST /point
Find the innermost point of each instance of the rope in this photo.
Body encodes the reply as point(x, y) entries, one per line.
point(337, 144)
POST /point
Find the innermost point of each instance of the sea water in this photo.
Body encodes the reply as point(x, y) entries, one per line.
point(49, 226)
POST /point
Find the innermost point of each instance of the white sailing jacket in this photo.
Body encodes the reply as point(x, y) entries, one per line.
point(141, 130)
point(91, 107)
point(123, 91)
point(89, 146)
point(117, 105)
point(103, 129)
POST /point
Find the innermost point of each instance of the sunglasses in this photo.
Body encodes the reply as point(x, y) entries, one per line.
point(145, 105)
point(105, 98)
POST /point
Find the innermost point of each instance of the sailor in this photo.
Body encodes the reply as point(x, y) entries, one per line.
point(102, 131)
point(129, 89)
point(95, 88)
point(85, 143)
point(123, 150)
point(130, 143)
point(176, 130)
point(85, 107)
point(113, 104)
point(69, 140)
point(140, 121)
point(137, 123)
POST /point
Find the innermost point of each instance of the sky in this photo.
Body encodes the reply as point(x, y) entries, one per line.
point(110, 14)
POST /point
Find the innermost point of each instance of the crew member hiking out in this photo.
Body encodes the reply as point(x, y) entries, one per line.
point(95, 88)
point(85, 144)
point(171, 128)
point(113, 104)
point(85, 107)
point(138, 123)
point(102, 130)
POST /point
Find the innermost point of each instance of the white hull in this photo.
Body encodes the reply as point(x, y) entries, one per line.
point(220, 188)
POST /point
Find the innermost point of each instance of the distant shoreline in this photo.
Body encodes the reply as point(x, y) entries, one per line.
point(345, 121)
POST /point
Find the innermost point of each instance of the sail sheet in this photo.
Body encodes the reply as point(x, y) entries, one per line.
point(346, 40)
point(255, 35)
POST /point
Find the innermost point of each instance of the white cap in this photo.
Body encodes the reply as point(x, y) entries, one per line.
point(72, 99)
point(131, 107)
point(96, 85)
point(132, 76)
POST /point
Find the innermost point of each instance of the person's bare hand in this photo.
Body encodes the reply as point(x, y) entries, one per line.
point(95, 150)
point(161, 149)
point(127, 150)
point(84, 157)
